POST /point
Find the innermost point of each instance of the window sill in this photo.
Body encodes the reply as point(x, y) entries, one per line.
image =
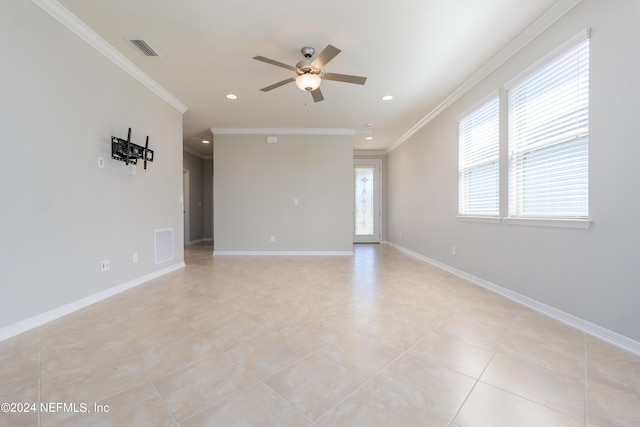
point(485, 219)
point(551, 222)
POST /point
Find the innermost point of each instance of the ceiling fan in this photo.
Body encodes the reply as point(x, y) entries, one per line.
point(310, 71)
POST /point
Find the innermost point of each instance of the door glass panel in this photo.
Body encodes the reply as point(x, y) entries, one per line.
point(364, 201)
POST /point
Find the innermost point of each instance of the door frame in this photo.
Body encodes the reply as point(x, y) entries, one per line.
point(377, 201)
point(186, 215)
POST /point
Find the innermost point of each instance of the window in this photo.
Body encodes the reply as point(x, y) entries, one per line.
point(364, 201)
point(548, 138)
point(478, 174)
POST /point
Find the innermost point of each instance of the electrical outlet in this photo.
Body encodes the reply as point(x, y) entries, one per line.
point(453, 250)
point(135, 257)
point(104, 265)
point(273, 239)
point(101, 162)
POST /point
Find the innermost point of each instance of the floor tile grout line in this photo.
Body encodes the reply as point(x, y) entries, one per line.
point(308, 355)
point(242, 389)
point(466, 399)
point(473, 387)
point(369, 380)
point(194, 332)
point(285, 399)
point(507, 391)
point(584, 335)
point(366, 381)
point(257, 380)
point(94, 364)
point(535, 402)
point(228, 397)
point(146, 375)
point(283, 368)
point(336, 364)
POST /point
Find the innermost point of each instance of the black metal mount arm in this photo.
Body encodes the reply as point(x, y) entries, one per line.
point(128, 152)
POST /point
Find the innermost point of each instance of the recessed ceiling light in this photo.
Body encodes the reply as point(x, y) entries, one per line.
point(204, 141)
point(387, 98)
point(369, 138)
point(231, 96)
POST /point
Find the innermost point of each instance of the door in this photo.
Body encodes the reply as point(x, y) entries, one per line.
point(367, 206)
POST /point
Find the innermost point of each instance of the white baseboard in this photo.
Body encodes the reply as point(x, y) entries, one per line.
point(41, 319)
point(193, 242)
point(569, 319)
point(285, 253)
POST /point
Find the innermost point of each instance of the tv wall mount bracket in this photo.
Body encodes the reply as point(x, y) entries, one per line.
point(128, 152)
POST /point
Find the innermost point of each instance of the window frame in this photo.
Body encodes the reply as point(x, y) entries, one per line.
point(466, 152)
point(515, 214)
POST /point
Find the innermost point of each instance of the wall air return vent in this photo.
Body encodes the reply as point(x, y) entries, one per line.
point(163, 244)
point(143, 47)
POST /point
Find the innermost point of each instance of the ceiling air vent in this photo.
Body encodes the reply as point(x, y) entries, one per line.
point(143, 47)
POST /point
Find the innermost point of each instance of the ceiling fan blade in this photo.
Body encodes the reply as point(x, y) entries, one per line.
point(273, 62)
point(317, 95)
point(325, 56)
point(275, 85)
point(344, 78)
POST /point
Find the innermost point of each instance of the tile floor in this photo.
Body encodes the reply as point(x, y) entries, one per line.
point(377, 339)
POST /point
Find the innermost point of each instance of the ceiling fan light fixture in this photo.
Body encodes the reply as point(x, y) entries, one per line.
point(308, 82)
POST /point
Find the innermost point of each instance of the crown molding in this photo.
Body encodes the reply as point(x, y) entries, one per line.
point(361, 152)
point(195, 153)
point(82, 30)
point(284, 131)
point(553, 14)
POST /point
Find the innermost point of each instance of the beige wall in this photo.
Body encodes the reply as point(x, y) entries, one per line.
point(590, 274)
point(61, 101)
point(255, 185)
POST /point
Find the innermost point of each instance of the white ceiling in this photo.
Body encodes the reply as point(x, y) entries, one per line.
point(419, 51)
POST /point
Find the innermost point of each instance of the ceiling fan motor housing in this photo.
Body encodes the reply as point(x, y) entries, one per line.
point(305, 67)
point(307, 51)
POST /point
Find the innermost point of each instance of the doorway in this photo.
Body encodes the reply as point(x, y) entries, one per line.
point(367, 201)
point(185, 206)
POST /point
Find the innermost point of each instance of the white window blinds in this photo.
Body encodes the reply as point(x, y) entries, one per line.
point(478, 167)
point(548, 138)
